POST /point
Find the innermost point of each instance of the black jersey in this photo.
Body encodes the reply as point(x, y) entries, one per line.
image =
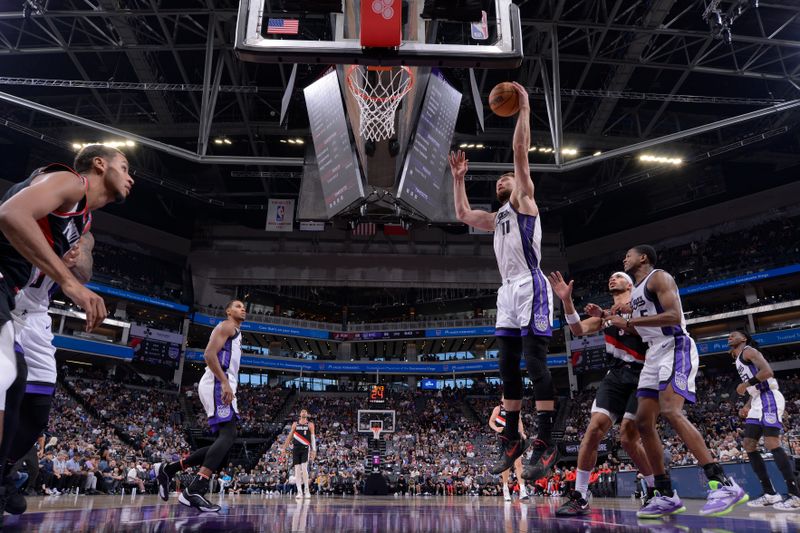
point(61, 229)
point(624, 347)
point(500, 419)
point(302, 435)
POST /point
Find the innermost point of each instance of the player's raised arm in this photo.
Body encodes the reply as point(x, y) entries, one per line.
point(471, 217)
point(523, 187)
point(577, 326)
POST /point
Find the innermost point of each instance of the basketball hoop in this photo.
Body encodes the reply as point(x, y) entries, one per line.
point(376, 432)
point(378, 91)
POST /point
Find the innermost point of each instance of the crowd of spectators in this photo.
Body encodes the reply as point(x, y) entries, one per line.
point(724, 254)
point(258, 406)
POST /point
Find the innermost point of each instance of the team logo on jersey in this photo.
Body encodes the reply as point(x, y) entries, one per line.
point(770, 418)
point(541, 322)
point(223, 411)
point(681, 380)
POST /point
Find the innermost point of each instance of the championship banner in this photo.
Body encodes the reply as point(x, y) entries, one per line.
point(280, 215)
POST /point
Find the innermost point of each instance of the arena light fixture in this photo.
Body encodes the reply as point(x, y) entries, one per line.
point(569, 151)
point(111, 144)
point(649, 158)
point(597, 153)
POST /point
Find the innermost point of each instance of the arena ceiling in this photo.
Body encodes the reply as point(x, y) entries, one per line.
point(627, 71)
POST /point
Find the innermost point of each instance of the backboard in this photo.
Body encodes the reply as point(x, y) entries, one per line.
point(329, 32)
point(370, 418)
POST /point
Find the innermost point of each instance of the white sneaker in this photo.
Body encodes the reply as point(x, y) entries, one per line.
point(765, 500)
point(299, 496)
point(792, 503)
point(506, 495)
point(523, 493)
point(306, 494)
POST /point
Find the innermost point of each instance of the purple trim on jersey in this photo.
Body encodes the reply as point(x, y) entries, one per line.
point(666, 330)
point(768, 405)
point(506, 332)
point(647, 393)
point(540, 308)
point(216, 420)
point(18, 348)
point(225, 354)
point(527, 225)
point(45, 390)
point(681, 369)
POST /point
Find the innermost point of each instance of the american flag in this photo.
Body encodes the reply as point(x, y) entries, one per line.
point(365, 229)
point(288, 26)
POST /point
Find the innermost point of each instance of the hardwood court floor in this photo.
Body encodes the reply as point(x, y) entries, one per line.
point(69, 513)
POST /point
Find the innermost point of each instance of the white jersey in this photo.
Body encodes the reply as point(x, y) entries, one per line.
point(517, 242)
point(36, 296)
point(645, 303)
point(748, 370)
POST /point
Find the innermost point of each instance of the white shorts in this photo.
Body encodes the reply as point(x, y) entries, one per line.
point(210, 391)
point(34, 333)
point(525, 306)
point(766, 409)
point(670, 360)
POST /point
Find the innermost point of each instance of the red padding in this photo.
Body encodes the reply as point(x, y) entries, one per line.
point(381, 23)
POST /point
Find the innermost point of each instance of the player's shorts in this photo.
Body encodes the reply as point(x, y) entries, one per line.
point(8, 357)
point(299, 455)
point(616, 396)
point(210, 391)
point(525, 306)
point(766, 413)
point(35, 337)
point(670, 360)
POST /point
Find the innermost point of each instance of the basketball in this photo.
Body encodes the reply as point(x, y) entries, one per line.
point(503, 100)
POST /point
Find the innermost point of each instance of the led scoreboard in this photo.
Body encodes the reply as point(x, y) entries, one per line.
point(377, 394)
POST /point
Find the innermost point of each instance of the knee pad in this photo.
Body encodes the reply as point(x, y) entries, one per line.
point(534, 348)
point(508, 361)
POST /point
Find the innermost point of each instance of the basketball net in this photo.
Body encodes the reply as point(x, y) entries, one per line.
point(376, 432)
point(378, 91)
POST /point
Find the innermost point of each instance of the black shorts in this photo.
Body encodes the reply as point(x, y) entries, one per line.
point(299, 455)
point(6, 301)
point(755, 431)
point(616, 396)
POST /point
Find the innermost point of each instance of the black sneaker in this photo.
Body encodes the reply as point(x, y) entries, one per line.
point(163, 479)
point(542, 461)
point(198, 501)
point(14, 500)
point(574, 506)
point(512, 450)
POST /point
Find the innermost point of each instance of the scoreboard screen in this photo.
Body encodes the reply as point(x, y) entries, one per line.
point(377, 394)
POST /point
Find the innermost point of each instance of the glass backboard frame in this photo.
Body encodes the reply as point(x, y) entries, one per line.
point(505, 52)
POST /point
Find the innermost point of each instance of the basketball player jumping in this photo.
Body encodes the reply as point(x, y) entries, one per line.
point(303, 436)
point(666, 382)
point(497, 421)
point(217, 391)
point(41, 219)
point(34, 336)
point(763, 413)
point(616, 397)
point(524, 301)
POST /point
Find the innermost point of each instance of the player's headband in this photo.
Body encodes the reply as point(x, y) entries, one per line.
point(624, 275)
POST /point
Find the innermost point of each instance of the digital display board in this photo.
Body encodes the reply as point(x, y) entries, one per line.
point(377, 394)
point(337, 164)
point(588, 353)
point(424, 181)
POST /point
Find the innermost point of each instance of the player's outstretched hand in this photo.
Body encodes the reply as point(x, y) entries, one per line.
point(562, 289)
point(459, 164)
point(92, 304)
point(522, 94)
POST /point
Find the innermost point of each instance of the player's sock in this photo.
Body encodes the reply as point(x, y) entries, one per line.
point(650, 480)
point(714, 472)
point(582, 483)
point(760, 468)
point(546, 426)
point(663, 484)
point(511, 431)
point(784, 464)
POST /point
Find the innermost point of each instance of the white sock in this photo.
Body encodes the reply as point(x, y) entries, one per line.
point(650, 480)
point(522, 485)
point(582, 483)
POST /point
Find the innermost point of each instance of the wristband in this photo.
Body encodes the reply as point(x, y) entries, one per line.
point(573, 318)
point(753, 381)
